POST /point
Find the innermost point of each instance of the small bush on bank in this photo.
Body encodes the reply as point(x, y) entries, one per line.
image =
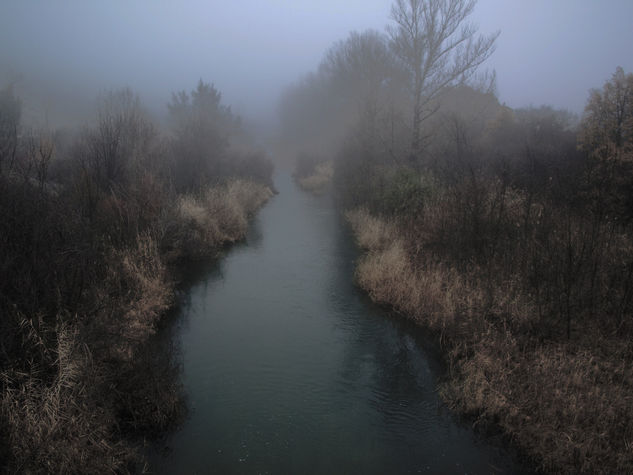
point(320, 179)
point(201, 224)
point(313, 173)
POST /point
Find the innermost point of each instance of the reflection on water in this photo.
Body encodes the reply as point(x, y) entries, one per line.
point(288, 368)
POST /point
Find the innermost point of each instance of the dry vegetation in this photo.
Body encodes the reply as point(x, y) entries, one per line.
point(313, 173)
point(76, 409)
point(507, 232)
point(566, 403)
point(319, 180)
point(92, 229)
point(214, 218)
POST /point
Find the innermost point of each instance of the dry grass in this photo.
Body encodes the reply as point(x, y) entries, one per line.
point(372, 233)
point(136, 292)
point(439, 297)
point(232, 204)
point(61, 425)
point(566, 404)
point(320, 178)
point(204, 223)
point(83, 387)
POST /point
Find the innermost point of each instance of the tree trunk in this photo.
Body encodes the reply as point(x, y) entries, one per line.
point(417, 123)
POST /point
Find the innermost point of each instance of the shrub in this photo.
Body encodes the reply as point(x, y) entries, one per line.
point(200, 224)
point(320, 178)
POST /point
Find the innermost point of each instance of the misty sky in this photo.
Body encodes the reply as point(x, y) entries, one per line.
point(549, 52)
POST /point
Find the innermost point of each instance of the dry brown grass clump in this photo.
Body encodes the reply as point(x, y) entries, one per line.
point(372, 233)
point(566, 405)
point(232, 204)
point(220, 215)
point(135, 293)
point(437, 296)
point(63, 424)
point(320, 178)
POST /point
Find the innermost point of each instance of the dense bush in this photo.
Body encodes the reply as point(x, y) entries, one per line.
point(203, 144)
point(519, 254)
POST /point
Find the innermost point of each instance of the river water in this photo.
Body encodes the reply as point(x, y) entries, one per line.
point(289, 368)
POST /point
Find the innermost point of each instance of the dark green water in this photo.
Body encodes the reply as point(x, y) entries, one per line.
point(288, 368)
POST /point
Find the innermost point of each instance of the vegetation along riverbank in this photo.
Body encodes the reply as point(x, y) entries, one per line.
point(507, 232)
point(94, 225)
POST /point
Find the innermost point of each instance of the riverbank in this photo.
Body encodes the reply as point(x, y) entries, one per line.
point(81, 392)
point(96, 226)
point(290, 368)
point(564, 403)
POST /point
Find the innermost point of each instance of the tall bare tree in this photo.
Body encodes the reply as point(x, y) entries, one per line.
point(437, 47)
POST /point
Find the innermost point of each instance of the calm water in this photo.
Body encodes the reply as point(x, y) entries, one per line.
point(289, 368)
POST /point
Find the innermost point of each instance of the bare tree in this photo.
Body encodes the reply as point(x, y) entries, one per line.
point(437, 47)
point(120, 140)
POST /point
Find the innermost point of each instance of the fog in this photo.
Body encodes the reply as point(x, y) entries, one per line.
point(62, 53)
point(481, 153)
point(249, 50)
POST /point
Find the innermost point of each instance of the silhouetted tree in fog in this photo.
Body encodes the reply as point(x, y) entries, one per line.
point(607, 125)
point(355, 81)
point(360, 66)
point(202, 128)
point(607, 136)
point(120, 138)
point(438, 48)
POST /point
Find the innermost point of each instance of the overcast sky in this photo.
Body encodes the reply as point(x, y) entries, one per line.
point(549, 52)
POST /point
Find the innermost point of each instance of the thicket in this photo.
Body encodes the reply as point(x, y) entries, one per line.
point(92, 226)
point(515, 243)
point(508, 232)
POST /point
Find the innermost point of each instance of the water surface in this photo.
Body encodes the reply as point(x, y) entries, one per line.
point(288, 368)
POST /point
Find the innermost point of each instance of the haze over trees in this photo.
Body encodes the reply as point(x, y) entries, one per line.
point(437, 48)
point(505, 231)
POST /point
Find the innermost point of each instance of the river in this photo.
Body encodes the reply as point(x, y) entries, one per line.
point(289, 368)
